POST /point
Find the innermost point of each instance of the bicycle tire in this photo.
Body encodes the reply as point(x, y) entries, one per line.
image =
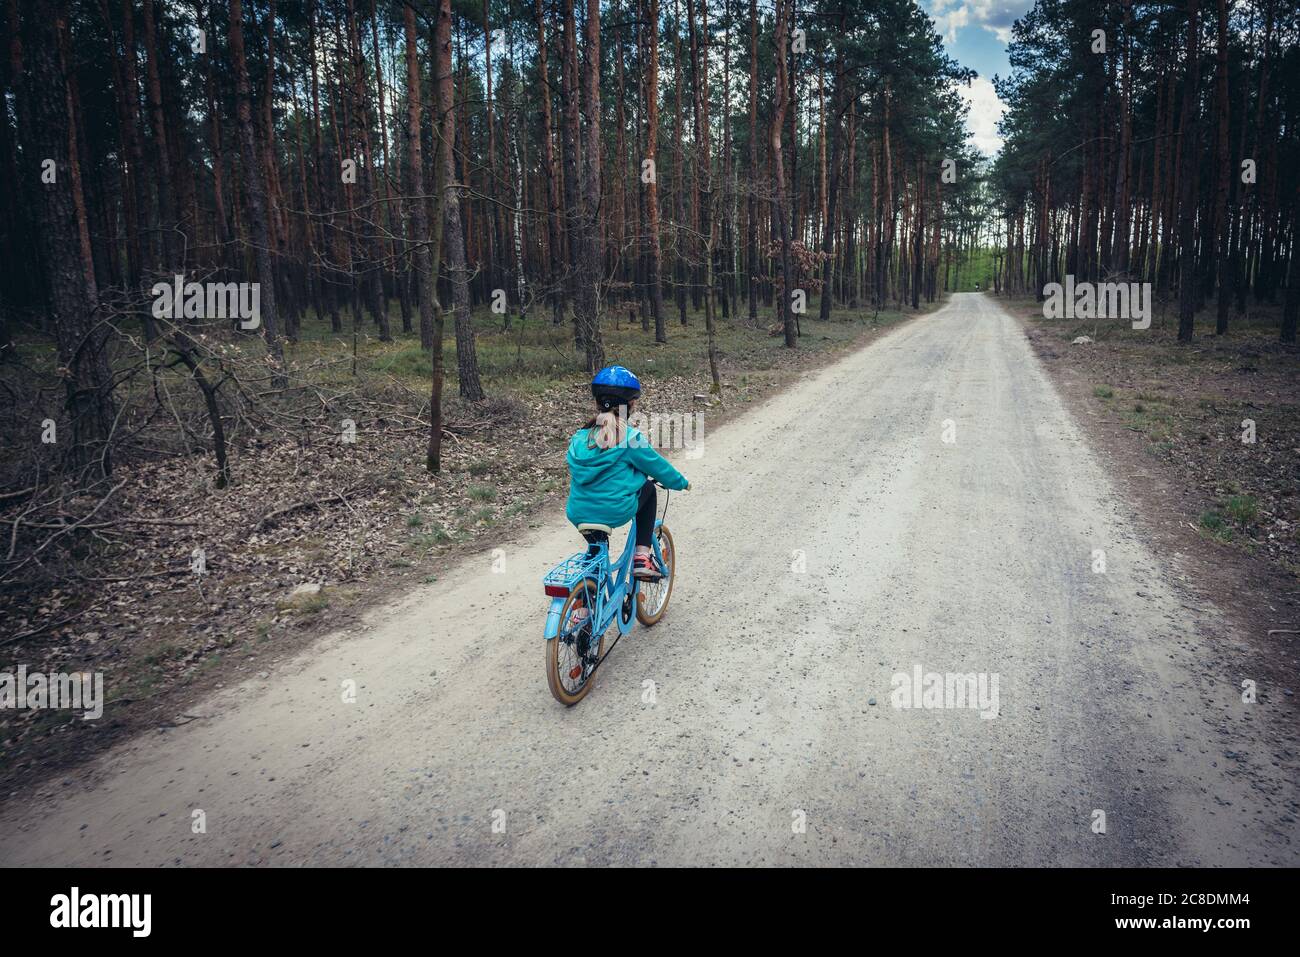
point(557, 668)
point(669, 550)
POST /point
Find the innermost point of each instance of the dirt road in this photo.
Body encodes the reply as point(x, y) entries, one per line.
point(925, 503)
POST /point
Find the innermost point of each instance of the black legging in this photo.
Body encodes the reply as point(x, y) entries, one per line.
point(647, 505)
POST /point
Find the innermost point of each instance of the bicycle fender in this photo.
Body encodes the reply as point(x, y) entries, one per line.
point(553, 618)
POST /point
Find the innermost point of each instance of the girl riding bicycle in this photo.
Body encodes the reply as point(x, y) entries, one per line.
point(613, 468)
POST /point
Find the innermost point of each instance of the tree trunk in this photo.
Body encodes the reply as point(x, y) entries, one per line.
point(404, 299)
point(1187, 206)
point(781, 221)
point(166, 224)
point(374, 248)
point(255, 194)
point(704, 164)
point(752, 200)
point(1224, 266)
point(833, 186)
point(654, 261)
point(679, 188)
point(425, 257)
point(591, 261)
point(570, 147)
point(131, 160)
point(1291, 305)
point(418, 210)
point(554, 246)
point(471, 388)
point(64, 238)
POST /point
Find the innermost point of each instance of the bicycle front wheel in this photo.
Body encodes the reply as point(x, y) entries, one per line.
point(653, 600)
point(572, 654)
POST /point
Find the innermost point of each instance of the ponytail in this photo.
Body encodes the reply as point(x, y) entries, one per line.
point(606, 431)
point(606, 428)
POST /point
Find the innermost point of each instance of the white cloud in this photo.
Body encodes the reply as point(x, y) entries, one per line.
point(947, 20)
point(996, 16)
point(986, 108)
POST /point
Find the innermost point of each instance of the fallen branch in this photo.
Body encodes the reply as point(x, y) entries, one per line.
point(14, 639)
point(115, 523)
point(49, 541)
point(142, 577)
point(307, 504)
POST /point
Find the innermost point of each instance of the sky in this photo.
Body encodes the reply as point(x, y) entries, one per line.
point(975, 33)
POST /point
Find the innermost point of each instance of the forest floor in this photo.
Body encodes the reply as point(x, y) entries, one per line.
point(1174, 423)
point(363, 520)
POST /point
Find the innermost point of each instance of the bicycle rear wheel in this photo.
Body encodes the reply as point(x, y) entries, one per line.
point(653, 601)
point(573, 652)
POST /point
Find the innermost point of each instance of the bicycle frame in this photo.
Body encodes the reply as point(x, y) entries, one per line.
point(613, 583)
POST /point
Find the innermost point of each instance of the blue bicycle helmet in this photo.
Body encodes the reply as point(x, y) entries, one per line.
point(614, 386)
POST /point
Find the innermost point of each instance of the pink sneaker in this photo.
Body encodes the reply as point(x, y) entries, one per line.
point(646, 568)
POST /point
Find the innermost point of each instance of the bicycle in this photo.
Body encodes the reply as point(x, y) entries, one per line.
point(588, 594)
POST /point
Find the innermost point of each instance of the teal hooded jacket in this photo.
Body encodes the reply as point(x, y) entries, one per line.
point(605, 482)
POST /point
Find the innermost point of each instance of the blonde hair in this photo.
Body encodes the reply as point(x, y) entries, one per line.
point(607, 430)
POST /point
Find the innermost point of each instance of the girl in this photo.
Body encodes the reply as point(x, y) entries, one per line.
point(613, 468)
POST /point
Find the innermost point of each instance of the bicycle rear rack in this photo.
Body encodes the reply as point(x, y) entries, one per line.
point(559, 581)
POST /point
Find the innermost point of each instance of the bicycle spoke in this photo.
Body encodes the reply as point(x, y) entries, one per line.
point(654, 593)
point(572, 656)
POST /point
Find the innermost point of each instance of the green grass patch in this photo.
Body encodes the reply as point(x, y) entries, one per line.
point(483, 493)
point(1236, 512)
point(1242, 509)
point(410, 362)
point(534, 354)
point(1216, 526)
point(435, 536)
point(305, 604)
point(164, 654)
point(1158, 426)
